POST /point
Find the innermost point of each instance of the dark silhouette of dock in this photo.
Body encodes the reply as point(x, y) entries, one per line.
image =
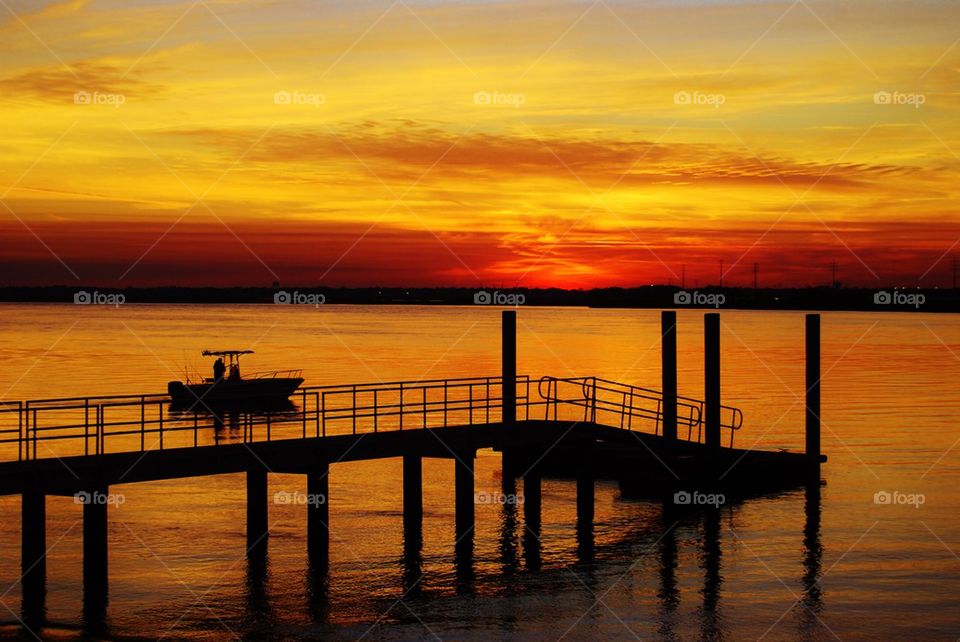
point(654, 442)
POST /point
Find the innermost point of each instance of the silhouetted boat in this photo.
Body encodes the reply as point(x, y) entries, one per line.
point(229, 388)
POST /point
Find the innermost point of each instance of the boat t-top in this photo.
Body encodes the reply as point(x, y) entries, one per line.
point(227, 387)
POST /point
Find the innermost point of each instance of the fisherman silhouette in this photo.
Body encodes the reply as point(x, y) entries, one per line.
point(218, 369)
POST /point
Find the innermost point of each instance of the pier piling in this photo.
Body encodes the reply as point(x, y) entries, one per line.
point(33, 551)
point(95, 543)
point(586, 488)
point(257, 509)
point(532, 499)
point(711, 382)
point(668, 358)
point(813, 388)
point(464, 496)
point(508, 346)
point(412, 496)
point(33, 560)
point(318, 514)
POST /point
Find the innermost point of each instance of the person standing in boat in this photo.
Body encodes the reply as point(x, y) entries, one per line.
point(218, 369)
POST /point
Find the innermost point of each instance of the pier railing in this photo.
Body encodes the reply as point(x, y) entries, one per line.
point(49, 428)
point(613, 403)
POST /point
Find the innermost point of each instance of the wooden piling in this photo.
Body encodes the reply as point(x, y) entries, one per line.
point(95, 545)
point(532, 499)
point(508, 365)
point(668, 369)
point(33, 543)
point(586, 487)
point(711, 383)
point(412, 496)
point(318, 514)
point(464, 496)
point(257, 510)
point(813, 388)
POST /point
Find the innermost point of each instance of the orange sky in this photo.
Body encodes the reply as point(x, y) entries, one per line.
point(568, 144)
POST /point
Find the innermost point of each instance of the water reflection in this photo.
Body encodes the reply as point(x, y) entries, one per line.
point(710, 559)
point(668, 592)
point(812, 598)
point(258, 609)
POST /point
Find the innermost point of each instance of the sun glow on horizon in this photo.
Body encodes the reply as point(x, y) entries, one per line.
point(568, 144)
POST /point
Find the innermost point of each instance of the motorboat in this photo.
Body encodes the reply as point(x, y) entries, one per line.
point(229, 388)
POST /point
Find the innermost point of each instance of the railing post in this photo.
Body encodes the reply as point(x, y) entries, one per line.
point(508, 367)
point(668, 372)
point(711, 383)
point(813, 388)
point(593, 402)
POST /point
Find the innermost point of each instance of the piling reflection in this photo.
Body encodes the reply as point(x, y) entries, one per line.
point(509, 556)
point(258, 608)
point(668, 591)
point(33, 604)
point(94, 617)
point(812, 597)
point(318, 588)
point(710, 559)
point(412, 563)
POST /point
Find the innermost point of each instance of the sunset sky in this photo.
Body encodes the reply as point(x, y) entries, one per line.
point(542, 143)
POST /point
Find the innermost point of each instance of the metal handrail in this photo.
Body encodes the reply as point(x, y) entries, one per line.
point(138, 423)
point(594, 394)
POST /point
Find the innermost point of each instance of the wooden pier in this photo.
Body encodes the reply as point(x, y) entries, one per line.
point(654, 442)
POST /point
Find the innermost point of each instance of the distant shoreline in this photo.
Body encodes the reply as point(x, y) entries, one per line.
point(657, 296)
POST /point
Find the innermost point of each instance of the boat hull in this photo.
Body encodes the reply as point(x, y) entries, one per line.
point(224, 393)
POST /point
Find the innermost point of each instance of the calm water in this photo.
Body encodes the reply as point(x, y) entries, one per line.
point(177, 565)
